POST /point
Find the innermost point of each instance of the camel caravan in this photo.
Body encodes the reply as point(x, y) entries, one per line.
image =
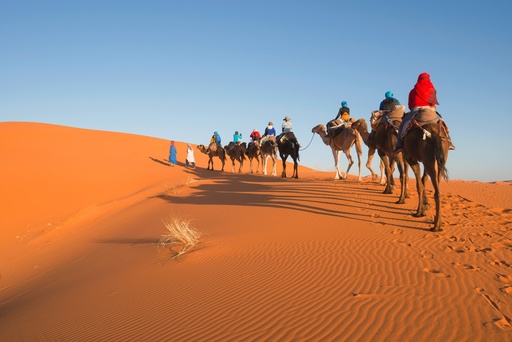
point(402, 141)
point(257, 152)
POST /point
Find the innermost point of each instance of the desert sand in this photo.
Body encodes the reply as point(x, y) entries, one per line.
point(279, 259)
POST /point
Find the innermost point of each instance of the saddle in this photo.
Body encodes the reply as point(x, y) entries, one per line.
point(420, 118)
point(387, 117)
point(213, 147)
point(335, 127)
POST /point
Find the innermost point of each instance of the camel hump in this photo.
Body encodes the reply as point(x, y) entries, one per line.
point(427, 115)
point(397, 113)
point(290, 136)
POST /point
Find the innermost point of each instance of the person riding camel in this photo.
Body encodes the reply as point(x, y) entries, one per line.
point(237, 138)
point(343, 112)
point(270, 130)
point(422, 96)
point(215, 142)
point(389, 105)
point(255, 135)
point(335, 126)
point(389, 102)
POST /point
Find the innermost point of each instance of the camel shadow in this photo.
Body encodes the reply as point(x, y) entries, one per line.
point(362, 201)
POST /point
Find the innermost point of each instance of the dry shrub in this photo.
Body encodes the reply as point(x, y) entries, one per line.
point(180, 237)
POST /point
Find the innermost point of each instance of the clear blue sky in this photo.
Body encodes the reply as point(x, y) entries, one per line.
point(183, 69)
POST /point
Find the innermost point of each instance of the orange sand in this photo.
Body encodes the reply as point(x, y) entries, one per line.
point(308, 259)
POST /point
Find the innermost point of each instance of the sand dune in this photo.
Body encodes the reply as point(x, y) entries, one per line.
point(308, 259)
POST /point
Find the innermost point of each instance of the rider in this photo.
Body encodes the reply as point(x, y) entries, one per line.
point(237, 138)
point(215, 139)
point(270, 130)
point(389, 102)
point(343, 112)
point(343, 116)
point(285, 128)
point(422, 95)
point(255, 135)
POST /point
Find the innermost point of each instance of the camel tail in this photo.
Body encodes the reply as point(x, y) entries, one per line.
point(442, 171)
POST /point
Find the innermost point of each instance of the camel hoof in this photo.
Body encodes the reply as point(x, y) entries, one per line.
point(400, 201)
point(418, 215)
point(434, 229)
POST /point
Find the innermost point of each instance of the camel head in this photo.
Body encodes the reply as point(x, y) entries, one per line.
point(360, 125)
point(202, 148)
point(319, 129)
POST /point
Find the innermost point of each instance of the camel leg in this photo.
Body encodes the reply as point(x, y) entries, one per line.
point(389, 173)
point(350, 162)
point(425, 197)
point(401, 170)
point(382, 173)
point(274, 170)
point(437, 198)
point(371, 153)
point(283, 174)
point(420, 188)
point(359, 155)
point(264, 159)
point(336, 155)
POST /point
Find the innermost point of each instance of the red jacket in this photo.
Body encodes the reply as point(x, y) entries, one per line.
point(423, 93)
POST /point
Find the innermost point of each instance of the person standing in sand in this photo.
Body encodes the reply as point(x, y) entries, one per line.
point(172, 154)
point(190, 161)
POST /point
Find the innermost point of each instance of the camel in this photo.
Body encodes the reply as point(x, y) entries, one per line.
point(288, 145)
point(235, 152)
point(268, 149)
point(253, 153)
point(213, 151)
point(385, 141)
point(429, 145)
point(342, 142)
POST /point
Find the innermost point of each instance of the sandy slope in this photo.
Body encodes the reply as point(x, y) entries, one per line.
point(280, 259)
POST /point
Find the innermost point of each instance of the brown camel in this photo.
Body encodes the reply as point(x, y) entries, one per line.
point(235, 152)
point(213, 151)
point(342, 142)
point(385, 141)
point(288, 146)
point(362, 127)
point(429, 145)
point(253, 153)
point(268, 149)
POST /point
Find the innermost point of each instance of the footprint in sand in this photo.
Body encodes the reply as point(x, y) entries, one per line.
point(503, 278)
point(503, 322)
point(403, 243)
point(507, 290)
point(455, 249)
point(466, 266)
point(397, 231)
point(427, 255)
point(436, 272)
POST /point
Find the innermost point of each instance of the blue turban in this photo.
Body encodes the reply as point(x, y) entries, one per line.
point(389, 95)
point(215, 132)
point(343, 103)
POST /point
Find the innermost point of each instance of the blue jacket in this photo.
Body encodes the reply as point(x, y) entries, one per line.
point(270, 131)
